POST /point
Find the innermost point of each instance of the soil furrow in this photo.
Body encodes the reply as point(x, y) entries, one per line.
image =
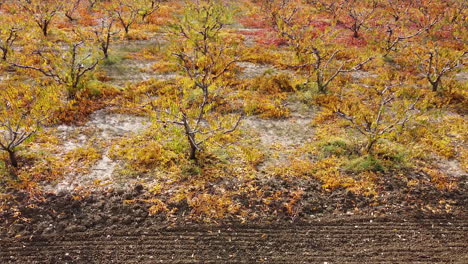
point(378, 242)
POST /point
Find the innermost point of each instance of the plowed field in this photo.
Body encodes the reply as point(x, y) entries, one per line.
point(347, 240)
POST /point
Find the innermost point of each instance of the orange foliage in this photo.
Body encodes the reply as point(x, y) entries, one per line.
point(77, 111)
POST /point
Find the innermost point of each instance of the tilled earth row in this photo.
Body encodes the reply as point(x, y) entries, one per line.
point(419, 226)
point(341, 240)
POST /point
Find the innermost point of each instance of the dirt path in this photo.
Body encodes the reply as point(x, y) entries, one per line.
point(354, 240)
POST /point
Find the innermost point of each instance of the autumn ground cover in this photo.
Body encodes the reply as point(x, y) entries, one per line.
point(239, 110)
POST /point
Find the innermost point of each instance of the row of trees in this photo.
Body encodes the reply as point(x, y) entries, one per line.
point(44, 13)
point(60, 63)
point(387, 102)
point(90, 22)
point(206, 58)
point(68, 59)
point(314, 31)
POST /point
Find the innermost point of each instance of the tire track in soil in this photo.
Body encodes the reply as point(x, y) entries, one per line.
point(329, 241)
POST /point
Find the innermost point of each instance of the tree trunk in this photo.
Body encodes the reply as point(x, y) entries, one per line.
point(321, 87)
point(105, 50)
point(13, 160)
point(190, 137)
point(356, 34)
point(71, 93)
point(370, 145)
point(45, 28)
point(435, 86)
point(355, 29)
point(69, 16)
point(193, 153)
point(193, 147)
point(106, 43)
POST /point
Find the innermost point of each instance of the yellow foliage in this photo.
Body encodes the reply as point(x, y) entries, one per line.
point(438, 178)
point(324, 116)
point(440, 135)
point(157, 207)
point(164, 67)
point(265, 96)
point(464, 159)
point(328, 171)
point(262, 55)
point(275, 84)
point(83, 154)
point(213, 205)
point(253, 156)
point(82, 158)
point(143, 154)
point(291, 205)
point(441, 146)
point(295, 168)
point(366, 183)
point(265, 107)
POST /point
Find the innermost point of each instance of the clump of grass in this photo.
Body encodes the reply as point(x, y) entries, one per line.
point(336, 147)
point(365, 163)
point(112, 60)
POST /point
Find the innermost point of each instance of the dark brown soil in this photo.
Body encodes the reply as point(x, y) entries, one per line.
point(423, 225)
point(343, 240)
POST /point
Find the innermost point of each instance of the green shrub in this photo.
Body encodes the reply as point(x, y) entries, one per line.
point(94, 88)
point(365, 163)
point(111, 60)
point(335, 147)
